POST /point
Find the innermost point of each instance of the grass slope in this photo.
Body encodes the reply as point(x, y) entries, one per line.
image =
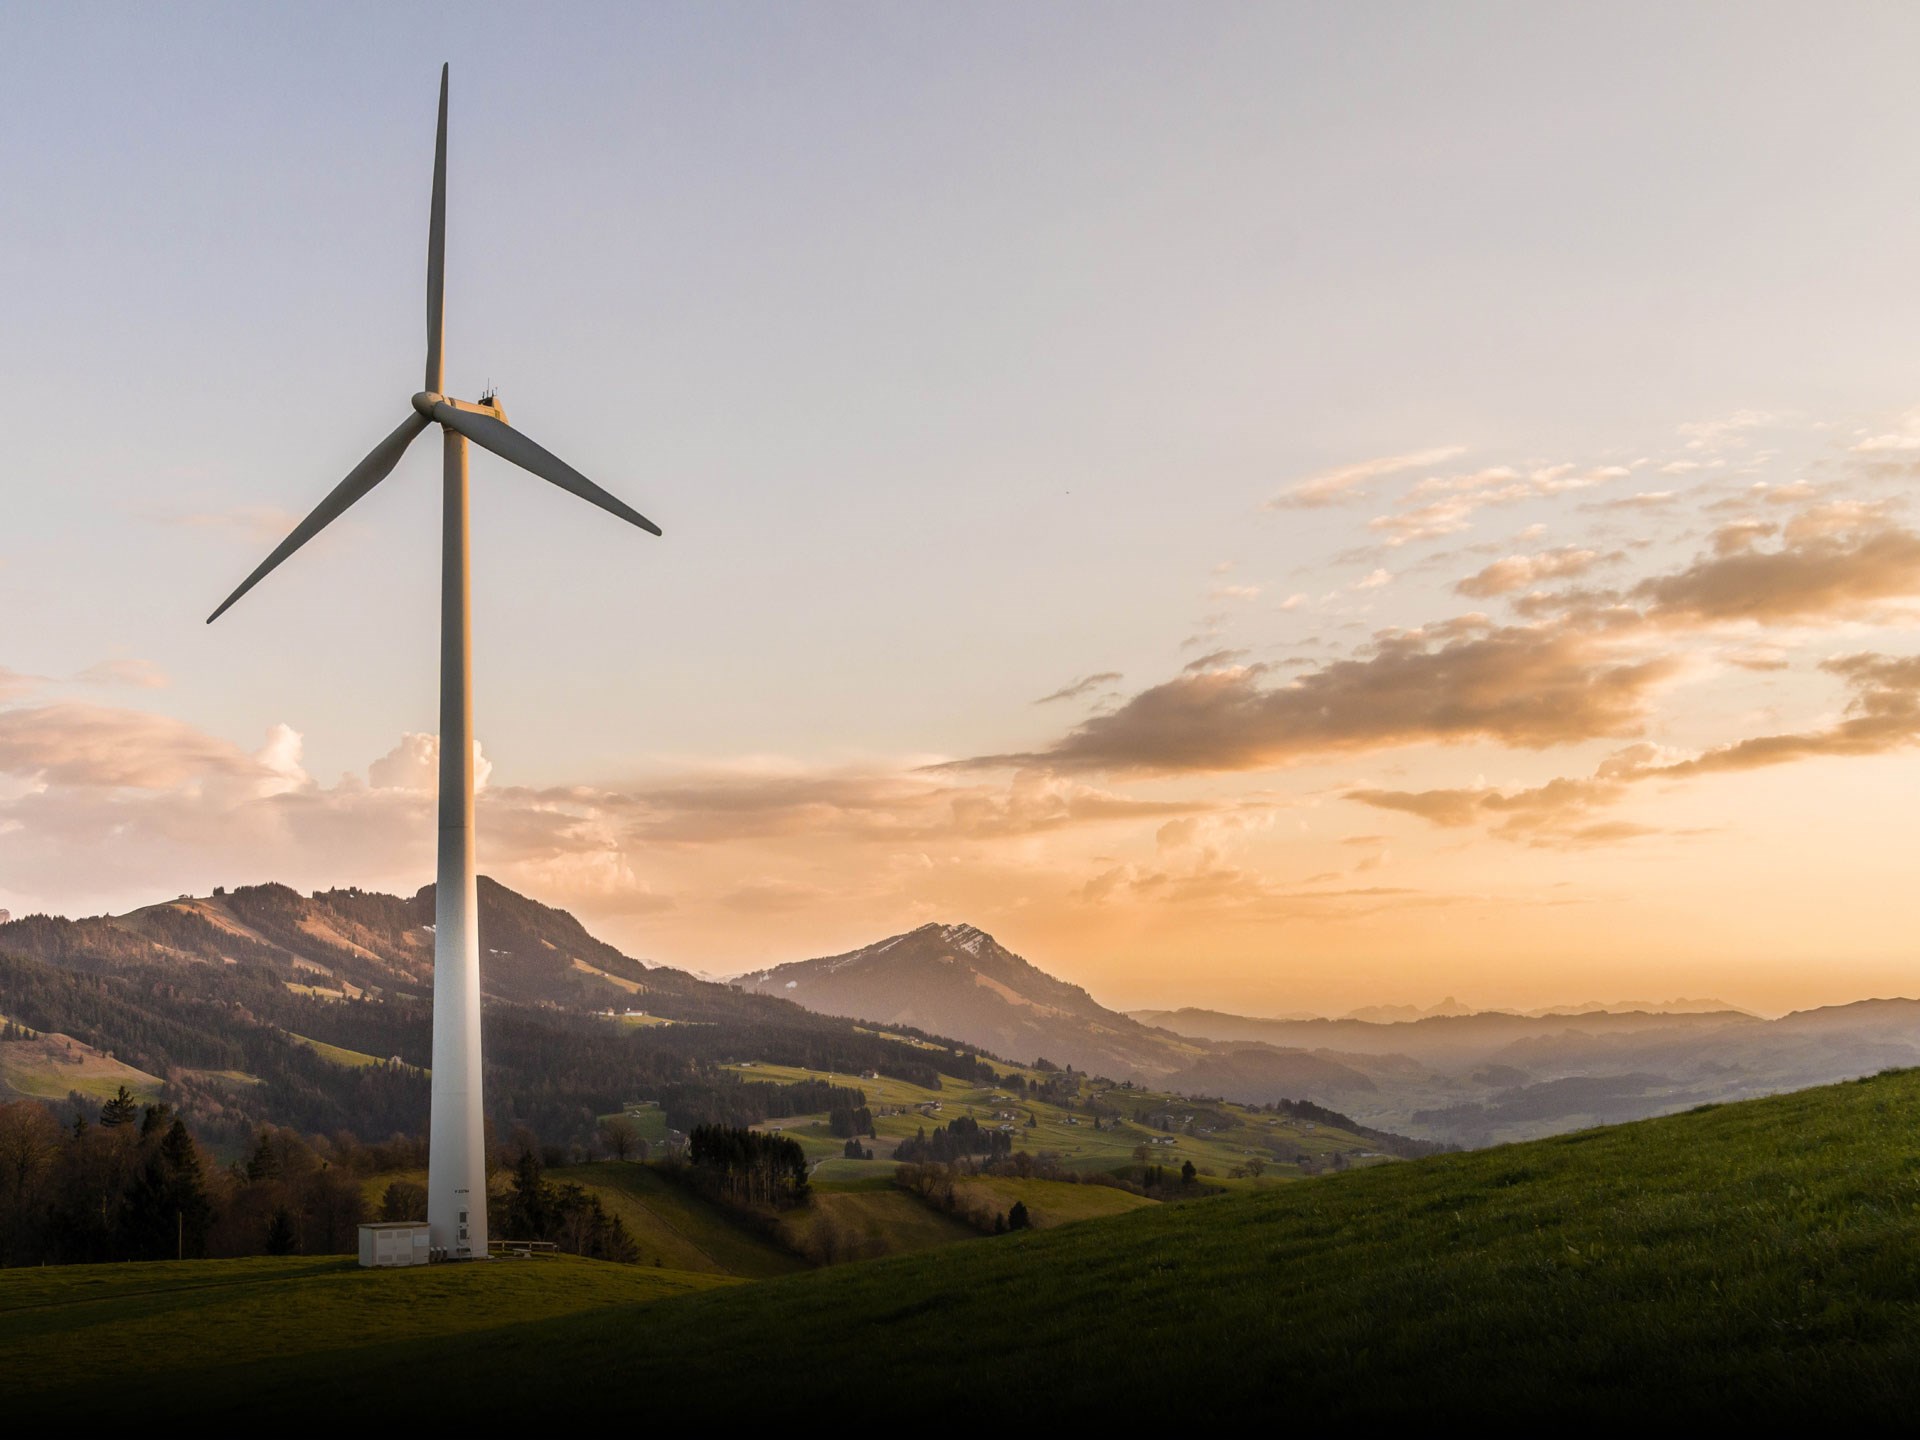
point(338, 1054)
point(1758, 1259)
point(51, 1066)
point(1053, 1202)
point(65, 1330)
point(678, 1228)
point(881, 1221)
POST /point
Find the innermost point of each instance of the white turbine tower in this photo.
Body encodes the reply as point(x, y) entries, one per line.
point(456, 1163)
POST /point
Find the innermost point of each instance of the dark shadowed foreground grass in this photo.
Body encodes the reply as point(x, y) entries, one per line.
point(1755, 1260)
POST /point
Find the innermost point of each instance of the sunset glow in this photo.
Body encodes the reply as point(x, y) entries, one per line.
point(1275, 554)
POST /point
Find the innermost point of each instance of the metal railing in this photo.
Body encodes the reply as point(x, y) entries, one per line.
point(526, 1248)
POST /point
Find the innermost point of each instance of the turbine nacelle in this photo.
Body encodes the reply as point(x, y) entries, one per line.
point(427, 401)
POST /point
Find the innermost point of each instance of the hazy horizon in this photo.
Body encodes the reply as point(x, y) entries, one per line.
point(1274, 510)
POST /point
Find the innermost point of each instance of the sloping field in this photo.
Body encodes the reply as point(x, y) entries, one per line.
point(676, 1228)
point(71, 1328)
point(48, 1067)
point(1053, 1202)
point(1758, 1261)
point(869, 1223)
point(339, 1055)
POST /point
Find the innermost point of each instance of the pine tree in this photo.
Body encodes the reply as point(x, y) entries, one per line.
point(1017, 1217)
point(530, 1209)
point(120, 1110)
point(187, 1190)
point(618, 1243)
point(263, 1164)
point(280, 1235)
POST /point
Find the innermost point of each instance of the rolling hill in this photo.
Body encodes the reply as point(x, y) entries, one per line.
point(1757, 1262)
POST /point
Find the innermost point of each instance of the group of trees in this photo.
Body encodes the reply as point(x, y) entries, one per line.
point(849, 1120)
point(621, 1139)
point(565, 1214)
point(1159, 1182)
point(130, 1183)
point(956, 1140)
point(747, 1168)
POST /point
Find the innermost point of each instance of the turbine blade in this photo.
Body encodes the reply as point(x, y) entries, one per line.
point(509, 444)
point(362, 478)
point(437, 249)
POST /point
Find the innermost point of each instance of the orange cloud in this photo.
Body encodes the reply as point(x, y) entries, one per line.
point(1544, 813)
point(1530, 686)
point(1517, 572)
point(98, 746)
point(1816, 575)
point(1882, 715)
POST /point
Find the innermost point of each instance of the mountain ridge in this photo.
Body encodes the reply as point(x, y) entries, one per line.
point(292, 959)
point(957, 980)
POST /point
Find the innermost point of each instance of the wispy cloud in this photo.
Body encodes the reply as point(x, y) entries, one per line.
point(130, 673)
point(1727, 432)
point(1085, 685)
point(1339, 486)
point(1444, 505)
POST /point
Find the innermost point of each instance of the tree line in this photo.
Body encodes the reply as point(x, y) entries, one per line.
point(130, 1183)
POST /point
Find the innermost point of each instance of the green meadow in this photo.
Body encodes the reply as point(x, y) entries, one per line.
point(1221, 1137)
point(1752, 1261)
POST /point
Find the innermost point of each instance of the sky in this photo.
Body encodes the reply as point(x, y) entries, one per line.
point(1277, 508)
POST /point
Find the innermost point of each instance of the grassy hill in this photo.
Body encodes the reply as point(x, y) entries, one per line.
point(1215, 1135)
point(52, 1066)
point(679, 1230)
point(1751, 1260)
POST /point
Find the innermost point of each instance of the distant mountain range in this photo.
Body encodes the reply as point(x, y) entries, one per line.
point(1392, 1014)
point(282, 963)
point(1444, 1073)
point(1490, 1077)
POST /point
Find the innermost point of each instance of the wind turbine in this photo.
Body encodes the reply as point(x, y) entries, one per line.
point(456, 1159)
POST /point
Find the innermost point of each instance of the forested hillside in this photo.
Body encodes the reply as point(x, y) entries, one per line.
point(260, 1005)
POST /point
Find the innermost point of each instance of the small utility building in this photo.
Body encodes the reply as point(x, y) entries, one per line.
point(394, 1242)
